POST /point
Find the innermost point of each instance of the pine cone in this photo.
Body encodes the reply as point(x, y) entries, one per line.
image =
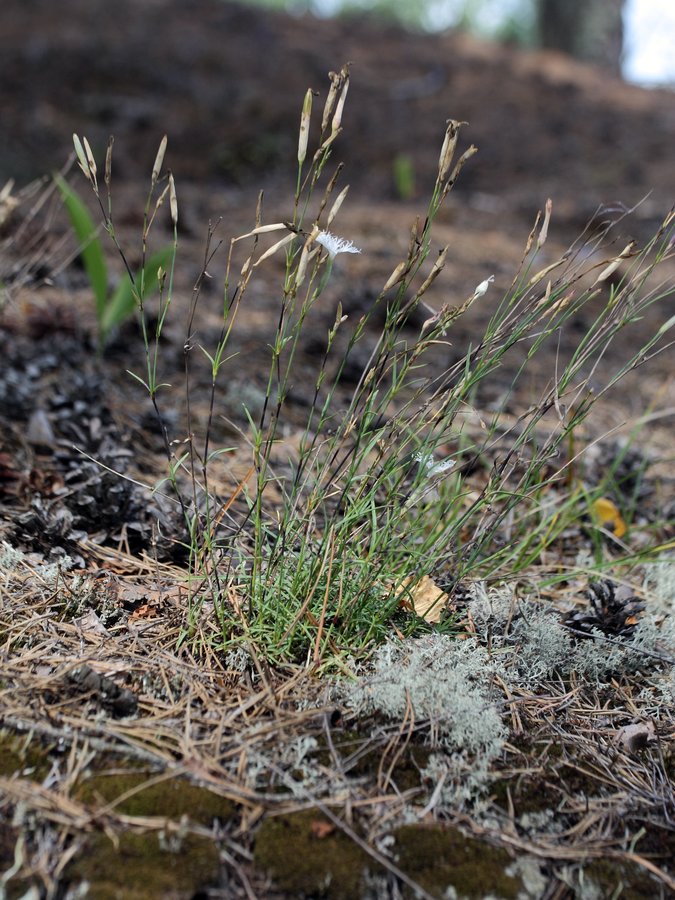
point(613, 610)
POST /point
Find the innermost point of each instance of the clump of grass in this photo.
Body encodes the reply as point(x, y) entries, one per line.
point(379, 497)
point(112, 308)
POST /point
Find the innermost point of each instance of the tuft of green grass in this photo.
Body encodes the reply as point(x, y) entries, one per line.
point(112, 307)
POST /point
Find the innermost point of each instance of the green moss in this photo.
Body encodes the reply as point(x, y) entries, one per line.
point(24, 756)
point(616, 878)
point(301, 861)
point(406, 774)
point(172, 797)
point(528, 795)
point(138, 868)
point(364, 756)
point(437, 858)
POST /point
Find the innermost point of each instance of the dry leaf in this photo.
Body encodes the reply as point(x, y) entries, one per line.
point(425, 598)
point(607, 514)
point(132, 595)
point(635, 737)
point(91, 626)
point(146, 611)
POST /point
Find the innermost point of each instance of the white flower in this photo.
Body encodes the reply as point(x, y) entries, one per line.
point(438, 468)
point(334, 244)
point(483, 286)
point(431, 466)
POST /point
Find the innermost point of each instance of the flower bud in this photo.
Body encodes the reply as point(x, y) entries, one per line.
point(303, 138)
point(159, 159)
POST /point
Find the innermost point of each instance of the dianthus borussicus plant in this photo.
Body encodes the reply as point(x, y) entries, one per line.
point(314, 559)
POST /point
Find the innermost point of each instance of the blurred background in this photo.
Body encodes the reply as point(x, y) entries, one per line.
point(542, 84)
point(632, 37)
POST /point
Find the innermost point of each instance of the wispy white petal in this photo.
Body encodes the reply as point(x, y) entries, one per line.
point(434, 467)
point(438, 468)
point(334, 244)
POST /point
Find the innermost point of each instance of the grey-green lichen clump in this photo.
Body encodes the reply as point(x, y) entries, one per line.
point(447, 684)
point(534, 644)
point(447, 681)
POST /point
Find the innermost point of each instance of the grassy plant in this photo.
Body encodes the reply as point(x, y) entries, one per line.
point(310, 561)
point(112, 308)
point(154, 278)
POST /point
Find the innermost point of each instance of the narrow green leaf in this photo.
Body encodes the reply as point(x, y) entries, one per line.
point(124, 299)
point(139, 379)
point(207, 355)
point(90, 246)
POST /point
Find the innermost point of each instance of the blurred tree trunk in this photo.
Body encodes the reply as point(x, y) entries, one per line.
point(590, 31)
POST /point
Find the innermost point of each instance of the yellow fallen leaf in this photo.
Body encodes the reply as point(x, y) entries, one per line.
point(608, 516)
point(424, 598)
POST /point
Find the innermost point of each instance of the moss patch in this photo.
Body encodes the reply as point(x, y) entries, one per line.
point(528, 795)
point(361, 757)
point(437, 858)
point(627, 880)
point(171, 798)
point(139, 868)
point(304, 860)
point(615, 878)
point(22, 756)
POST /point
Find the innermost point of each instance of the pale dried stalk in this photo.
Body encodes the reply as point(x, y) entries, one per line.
point(273, 249)
point(158, 204)
point(108, 163)
point(397, 275)
point(82, 160)
point(543, 234)
point(615, 263)
point(336, 83)
point(261, 229)
point(90, 158)
point(337, 118)
point(336, 206)
point(436, 270)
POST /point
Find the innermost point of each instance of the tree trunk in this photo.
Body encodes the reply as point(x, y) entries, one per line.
point(589, 31)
